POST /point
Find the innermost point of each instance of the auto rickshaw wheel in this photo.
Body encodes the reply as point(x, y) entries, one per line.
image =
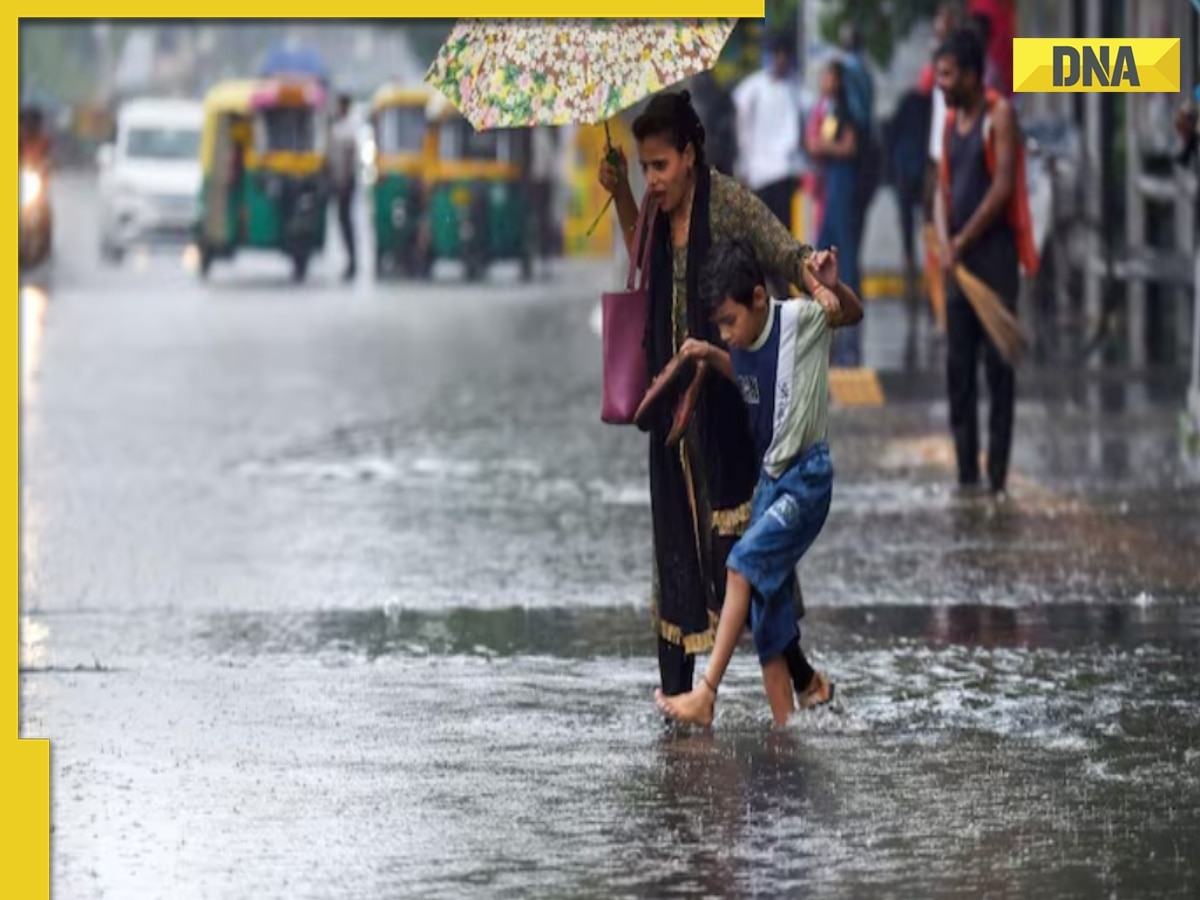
point(299, 266)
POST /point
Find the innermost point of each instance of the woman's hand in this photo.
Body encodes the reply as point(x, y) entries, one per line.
point(696, 350)
point(614, 178)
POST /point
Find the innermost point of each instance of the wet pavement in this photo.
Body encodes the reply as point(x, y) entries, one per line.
point(341, 592)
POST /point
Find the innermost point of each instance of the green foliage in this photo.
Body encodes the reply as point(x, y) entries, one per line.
point(882, 23)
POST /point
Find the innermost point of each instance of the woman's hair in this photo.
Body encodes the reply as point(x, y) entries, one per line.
point(671, 116)
point(732, 272)
point(837, 68)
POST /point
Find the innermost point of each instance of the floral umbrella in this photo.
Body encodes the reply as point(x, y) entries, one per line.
point(518, 73)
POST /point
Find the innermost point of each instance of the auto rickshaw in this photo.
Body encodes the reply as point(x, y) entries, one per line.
point(478, 207)
point(265, 185)
point(404, 146)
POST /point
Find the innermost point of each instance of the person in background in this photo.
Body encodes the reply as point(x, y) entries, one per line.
point(768, 130)
point(978, 185)
point(860, 106)
point(835, 148)
point(907, 143)
point(343, 171)
point(814, 178)
point(860, 88)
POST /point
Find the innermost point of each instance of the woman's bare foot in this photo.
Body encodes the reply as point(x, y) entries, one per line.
point(696, 706)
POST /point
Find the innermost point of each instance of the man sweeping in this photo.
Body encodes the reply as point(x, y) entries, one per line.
point(983, 227)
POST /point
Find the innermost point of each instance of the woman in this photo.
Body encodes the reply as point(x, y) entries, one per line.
point(700, 489)
point(834, 144)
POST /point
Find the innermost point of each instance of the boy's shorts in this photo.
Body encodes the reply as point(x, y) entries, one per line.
point(786, 516)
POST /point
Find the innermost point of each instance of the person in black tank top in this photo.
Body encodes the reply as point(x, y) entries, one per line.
point(972, 216)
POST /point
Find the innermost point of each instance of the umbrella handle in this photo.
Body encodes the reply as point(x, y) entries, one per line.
point(613, 160)
point(611, 156)
point(603, 210)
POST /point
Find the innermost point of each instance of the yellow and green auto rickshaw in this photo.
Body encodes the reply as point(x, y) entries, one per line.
point(478, 208)
point(265, 176)
point(404, 146)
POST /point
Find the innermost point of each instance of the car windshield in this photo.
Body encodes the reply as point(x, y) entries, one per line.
point(163, 143)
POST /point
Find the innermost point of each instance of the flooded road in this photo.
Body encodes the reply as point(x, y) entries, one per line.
point(341, 592)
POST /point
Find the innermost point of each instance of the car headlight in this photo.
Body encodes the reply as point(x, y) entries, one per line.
point(30, 187)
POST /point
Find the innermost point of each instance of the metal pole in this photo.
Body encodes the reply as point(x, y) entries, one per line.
point(1194, 390)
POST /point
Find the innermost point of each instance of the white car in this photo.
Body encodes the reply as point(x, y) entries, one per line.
point(150, 176)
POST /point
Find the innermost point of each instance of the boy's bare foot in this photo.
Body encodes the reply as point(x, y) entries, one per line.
point(818, 693)
point(695, 707)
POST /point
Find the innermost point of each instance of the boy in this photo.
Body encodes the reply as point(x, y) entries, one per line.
point(779, 358)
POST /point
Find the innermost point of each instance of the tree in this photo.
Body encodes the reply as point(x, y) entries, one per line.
point(882, 23)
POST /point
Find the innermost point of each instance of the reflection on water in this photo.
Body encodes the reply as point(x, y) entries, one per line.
point(595, 632)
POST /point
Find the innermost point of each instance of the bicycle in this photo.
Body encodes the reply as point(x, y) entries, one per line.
point(1073, 241)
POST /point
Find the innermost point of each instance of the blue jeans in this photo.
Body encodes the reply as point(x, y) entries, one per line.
point(786, 516)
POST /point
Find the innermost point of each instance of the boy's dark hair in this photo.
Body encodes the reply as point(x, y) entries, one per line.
point(671, 116)
point(966, 49)
point(732, 271)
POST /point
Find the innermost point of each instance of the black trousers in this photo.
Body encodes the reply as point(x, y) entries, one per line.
point(967, 341)
point(345, 214)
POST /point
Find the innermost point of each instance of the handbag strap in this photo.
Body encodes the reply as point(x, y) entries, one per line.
point(645, 216)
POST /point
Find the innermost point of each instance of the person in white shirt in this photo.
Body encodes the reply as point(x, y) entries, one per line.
point(768, 131)
point(343, 166)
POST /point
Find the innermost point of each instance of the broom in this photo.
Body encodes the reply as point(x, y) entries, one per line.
point(936, 278)
point(1001, 325)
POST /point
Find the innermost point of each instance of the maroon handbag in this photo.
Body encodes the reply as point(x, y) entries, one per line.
point(623, 333)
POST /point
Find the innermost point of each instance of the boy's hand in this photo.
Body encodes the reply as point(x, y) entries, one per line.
point(823, 265)
point(695, 350)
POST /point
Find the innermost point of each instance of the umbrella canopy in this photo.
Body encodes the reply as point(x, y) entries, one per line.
point(297, 61)
point(517, 73)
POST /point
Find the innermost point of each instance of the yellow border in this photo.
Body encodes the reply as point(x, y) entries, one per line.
point(25, 764)
point(467, 9)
